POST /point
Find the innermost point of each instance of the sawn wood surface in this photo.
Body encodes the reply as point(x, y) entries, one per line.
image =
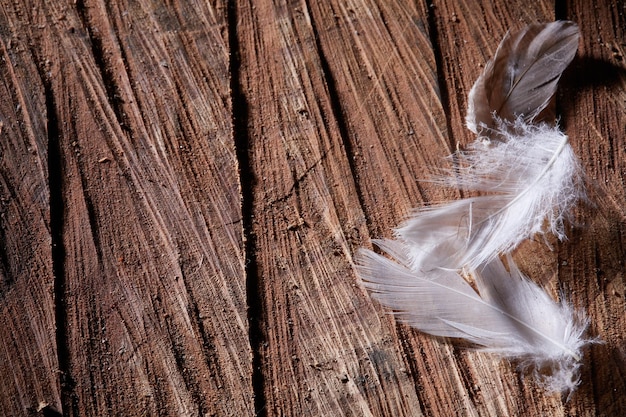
point(183, 185)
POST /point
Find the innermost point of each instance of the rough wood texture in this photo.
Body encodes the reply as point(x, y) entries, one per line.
point(183, 185)
point(28, 360)
point(151, 273)
point(592, 264)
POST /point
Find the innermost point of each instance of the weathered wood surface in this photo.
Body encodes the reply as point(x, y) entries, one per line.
point(145, 205)
point(183, 185)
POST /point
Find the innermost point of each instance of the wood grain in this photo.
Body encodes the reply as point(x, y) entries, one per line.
point(173, 331)
point(153, 267)
point(183, 186)
point(592, 263)
point(385, 74)
point(323, 347)
point(28, 356)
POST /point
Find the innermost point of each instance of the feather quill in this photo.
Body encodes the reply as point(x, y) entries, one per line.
point(507, 314)
point(527, 172)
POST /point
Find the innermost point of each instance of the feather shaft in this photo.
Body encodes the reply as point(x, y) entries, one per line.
point(564, 143)
point(528, 189)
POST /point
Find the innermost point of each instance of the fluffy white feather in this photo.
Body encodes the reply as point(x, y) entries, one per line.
point(530, 180)
point(526, 169)
point(509, 315)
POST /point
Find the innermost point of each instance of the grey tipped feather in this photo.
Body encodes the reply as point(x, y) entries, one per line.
point(521, 79)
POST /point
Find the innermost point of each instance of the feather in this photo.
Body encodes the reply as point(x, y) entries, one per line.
point(527, 171)
point(508, 315)
point(528, 178)
point(521, 79)
point(530, 181)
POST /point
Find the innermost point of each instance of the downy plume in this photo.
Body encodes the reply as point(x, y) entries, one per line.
point(507, 315)
point(530, 180)
point(526, 170)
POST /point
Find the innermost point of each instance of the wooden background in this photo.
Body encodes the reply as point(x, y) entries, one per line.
point(183, 184)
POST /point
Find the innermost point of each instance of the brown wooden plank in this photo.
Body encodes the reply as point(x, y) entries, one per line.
point(155, 307)
point(343, 106)
point(464, 32)
point(594, 113)
point(598, 241)
point(178, 314)
point(384, 68)
point(449, 381)
point(324, 349)
point(28, 358)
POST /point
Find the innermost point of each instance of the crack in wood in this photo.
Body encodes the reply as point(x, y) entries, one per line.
point(338, 113)
point(560, 9)
point(208, 346)
point(442, 85)
point(413, 367)
point(7, 194)
point(113, 91)
point(241, 136)
point(57, 218)
point(297, 180)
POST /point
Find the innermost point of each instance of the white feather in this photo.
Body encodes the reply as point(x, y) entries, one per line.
point(508, 315)
point(526, 169)
point(521, 79)
point(530, 180)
